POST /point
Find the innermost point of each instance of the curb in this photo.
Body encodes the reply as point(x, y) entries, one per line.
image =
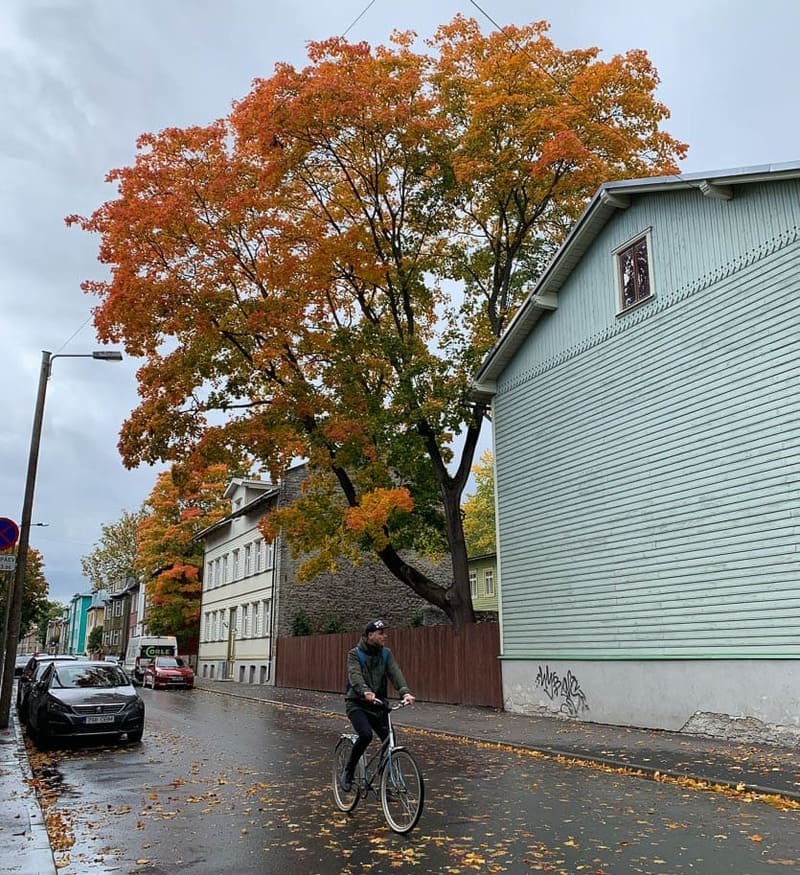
point(38, 852)
point(646, 771)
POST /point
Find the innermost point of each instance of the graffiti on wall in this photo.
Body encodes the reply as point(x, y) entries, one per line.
point(566, 688)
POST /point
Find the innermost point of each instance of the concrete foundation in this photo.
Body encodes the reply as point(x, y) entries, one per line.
point(751, 700)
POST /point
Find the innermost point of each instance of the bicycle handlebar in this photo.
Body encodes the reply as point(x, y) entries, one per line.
point(389, 707)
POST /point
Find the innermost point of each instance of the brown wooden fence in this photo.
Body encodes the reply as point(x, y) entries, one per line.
point(439, 663)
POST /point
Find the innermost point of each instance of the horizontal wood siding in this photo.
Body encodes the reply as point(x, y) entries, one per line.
point(647, 475)
point(439, 663)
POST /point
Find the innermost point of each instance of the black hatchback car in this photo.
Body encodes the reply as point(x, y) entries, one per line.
point(30, 674)
point(84, 699)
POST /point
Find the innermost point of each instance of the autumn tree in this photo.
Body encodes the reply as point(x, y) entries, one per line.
point(34, 599)
point(48, 611)
point(478, 508)
point(319, 274)
point(169, 561)
point(113, 557)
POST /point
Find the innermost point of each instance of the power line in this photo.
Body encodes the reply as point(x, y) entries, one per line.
point(562, 87)
point(74, 333)
point(358, 17)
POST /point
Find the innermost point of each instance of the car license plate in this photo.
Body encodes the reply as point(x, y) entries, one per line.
point(99, 718)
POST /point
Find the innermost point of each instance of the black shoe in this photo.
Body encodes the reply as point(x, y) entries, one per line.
point(346, 781)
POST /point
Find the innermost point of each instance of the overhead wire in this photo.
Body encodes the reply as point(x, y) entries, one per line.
point(562, 87)
point(358, 17)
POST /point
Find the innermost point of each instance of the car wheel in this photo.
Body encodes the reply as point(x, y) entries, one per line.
point(133, 737)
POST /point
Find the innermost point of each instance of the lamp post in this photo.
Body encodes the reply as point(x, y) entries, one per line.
point(17, 587)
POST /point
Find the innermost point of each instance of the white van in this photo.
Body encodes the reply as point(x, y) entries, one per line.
point(143, 648)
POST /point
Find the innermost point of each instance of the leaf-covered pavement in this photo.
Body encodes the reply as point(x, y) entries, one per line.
point(245, 789)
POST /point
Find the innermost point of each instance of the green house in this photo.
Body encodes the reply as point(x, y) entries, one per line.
point(645, 403)
point(483, 582)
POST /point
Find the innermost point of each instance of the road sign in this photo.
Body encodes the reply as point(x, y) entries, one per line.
point(9, 533)
point(8, 561)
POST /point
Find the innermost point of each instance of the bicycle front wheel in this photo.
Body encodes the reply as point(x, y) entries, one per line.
point(402, 791)
point(346, 800)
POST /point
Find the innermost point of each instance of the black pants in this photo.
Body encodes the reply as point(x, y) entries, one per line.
point(364, 722)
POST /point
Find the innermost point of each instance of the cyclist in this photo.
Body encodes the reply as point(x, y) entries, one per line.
point(367, 674)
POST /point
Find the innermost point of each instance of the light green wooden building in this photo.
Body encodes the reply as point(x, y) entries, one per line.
point(645, 404)
point(483, 582)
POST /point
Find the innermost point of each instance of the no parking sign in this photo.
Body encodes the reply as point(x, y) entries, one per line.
point(9, 533)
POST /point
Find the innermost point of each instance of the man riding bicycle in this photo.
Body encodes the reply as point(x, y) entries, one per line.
point(369, 664)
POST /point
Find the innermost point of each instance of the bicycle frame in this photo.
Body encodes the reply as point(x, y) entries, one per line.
point(368, 772)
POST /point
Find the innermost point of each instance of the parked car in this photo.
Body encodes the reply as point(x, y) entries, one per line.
point(19, 664)
point(90, 698)
point(30, 674)
point(168, 671)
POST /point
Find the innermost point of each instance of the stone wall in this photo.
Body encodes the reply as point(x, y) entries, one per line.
point(345, 600)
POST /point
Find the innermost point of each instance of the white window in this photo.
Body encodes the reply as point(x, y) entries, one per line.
point(634, 272)
point(245, 622)
point(236, 564)
point(256, 620)
point(248, 560)
point(473, 583)
point(488, 581)
point(265, 611)
point(118, 608)
point(259, 550)
point(115, 637)
point(270, 554)
point(225, 577)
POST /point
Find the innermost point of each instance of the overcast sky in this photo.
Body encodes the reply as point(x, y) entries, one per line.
point(81, 79)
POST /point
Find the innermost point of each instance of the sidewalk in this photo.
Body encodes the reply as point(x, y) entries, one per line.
point(24, 845)
point(757, 767)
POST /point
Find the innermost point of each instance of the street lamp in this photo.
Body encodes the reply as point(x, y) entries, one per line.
point(17, 586)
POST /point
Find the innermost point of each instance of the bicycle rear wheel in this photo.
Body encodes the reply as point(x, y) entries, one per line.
point(346, 800)
point(402, 791)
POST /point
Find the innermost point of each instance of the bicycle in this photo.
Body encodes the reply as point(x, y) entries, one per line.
point(401, 789)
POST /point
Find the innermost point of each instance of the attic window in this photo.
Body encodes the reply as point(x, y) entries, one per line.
point(634, 280)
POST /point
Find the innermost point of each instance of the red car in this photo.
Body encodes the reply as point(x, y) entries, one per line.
point(168, 671)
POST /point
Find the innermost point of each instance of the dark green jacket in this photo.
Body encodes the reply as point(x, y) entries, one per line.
point(373, 677)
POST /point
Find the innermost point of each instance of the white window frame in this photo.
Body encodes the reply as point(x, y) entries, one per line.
point(473, 584)
point(270, 559)
point(488, 581)
point(266, 607)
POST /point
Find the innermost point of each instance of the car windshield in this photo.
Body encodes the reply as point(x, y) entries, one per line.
point(77, 676)
point(169, 662)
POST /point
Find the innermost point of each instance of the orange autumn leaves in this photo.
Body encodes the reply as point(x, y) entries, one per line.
point(180, 505)
point(319, 274)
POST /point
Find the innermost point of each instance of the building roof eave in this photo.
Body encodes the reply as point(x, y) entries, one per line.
point(610, 198)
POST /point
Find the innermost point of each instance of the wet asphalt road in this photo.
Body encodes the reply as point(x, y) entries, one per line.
point(223, 785)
